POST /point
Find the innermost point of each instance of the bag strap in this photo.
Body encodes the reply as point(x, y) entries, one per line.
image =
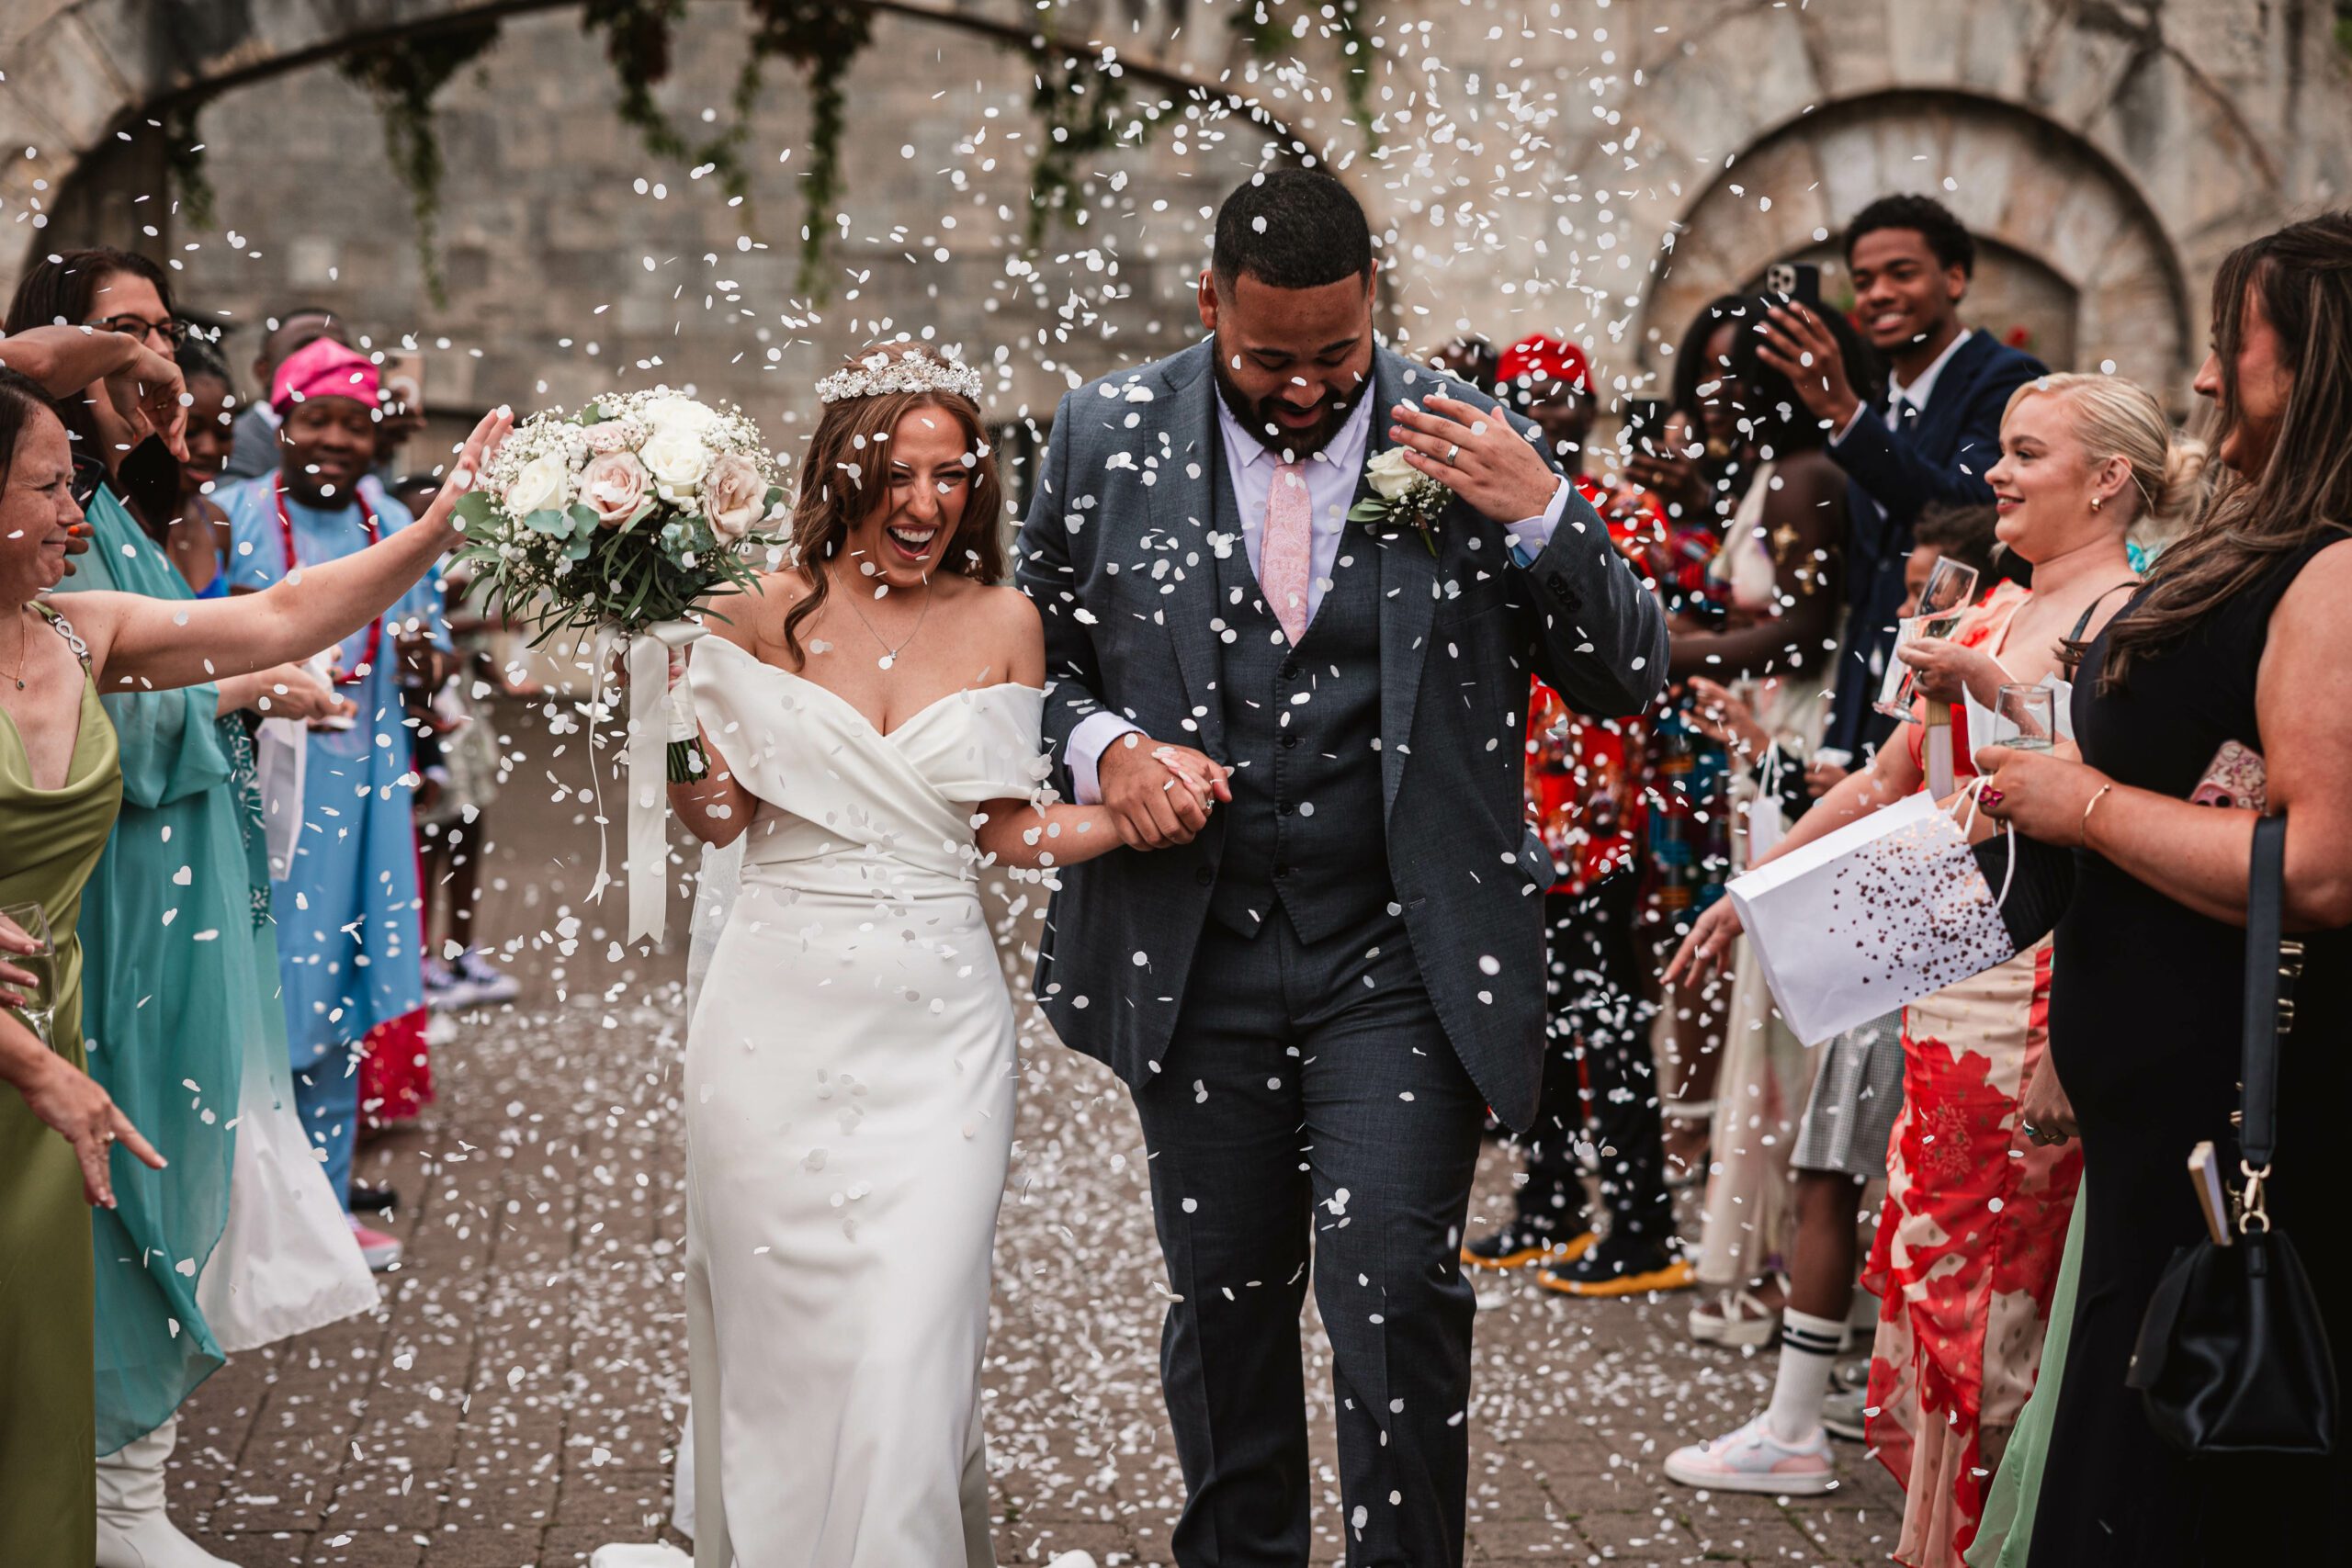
point(2269, 1010)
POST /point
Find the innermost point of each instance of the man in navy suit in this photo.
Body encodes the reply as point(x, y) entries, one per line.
point(1932, 437)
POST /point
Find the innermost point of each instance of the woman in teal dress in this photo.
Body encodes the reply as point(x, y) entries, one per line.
point(60, 786)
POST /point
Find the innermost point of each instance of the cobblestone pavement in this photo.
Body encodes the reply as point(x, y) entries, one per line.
point(514, 1399)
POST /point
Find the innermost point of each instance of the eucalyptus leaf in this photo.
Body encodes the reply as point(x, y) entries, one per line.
point(547, 520)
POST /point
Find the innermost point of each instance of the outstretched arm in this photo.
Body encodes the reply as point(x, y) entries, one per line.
point(1015, 833)
point(140, 644)
point(144, 387)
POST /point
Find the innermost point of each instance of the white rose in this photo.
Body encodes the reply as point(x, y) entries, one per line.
point(544, 485)
point(677, 459)
point(734, 496)
point(677, 413)
point(1390, 475)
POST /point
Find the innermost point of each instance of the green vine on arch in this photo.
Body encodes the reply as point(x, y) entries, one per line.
point(402, 78)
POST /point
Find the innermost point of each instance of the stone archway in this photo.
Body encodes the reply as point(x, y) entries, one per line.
point(2070, 252)
point(74, 74)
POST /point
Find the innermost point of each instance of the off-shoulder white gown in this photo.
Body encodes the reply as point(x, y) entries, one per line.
point(849, 1090)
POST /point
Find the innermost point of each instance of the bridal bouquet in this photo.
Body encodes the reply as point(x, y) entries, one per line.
point(616, 520)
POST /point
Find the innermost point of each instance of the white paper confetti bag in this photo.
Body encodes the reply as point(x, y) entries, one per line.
point(1876, 914)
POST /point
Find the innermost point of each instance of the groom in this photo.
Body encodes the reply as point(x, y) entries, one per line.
point(1315, 988)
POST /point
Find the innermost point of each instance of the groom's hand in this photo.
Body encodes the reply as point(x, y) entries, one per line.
point(1155, 807)
point(1476, 455)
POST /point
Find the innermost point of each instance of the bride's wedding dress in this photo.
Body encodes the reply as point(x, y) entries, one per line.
point(849, 1097)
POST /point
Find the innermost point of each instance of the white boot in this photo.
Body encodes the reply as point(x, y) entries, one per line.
point(132, 1531)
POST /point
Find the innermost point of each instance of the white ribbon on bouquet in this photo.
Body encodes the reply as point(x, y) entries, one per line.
point(657, 713)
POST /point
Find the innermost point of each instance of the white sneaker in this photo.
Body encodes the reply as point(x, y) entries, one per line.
point(1752, 1460)
point(656, 1555)
point(1073, 1560)
point(381, 1251)
point(1842, 1415)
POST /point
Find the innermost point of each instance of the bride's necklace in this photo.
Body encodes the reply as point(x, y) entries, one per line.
point(889, 654)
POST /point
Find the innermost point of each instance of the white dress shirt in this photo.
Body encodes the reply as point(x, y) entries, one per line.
point(1332, 476)
point(1916, 393)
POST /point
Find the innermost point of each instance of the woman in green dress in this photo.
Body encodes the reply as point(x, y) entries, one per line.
point(60, 789)
point(172, 911)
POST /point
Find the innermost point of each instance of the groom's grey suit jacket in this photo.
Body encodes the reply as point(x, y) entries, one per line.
point(1118, 556)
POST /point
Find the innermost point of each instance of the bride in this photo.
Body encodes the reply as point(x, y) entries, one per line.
point(871, 719)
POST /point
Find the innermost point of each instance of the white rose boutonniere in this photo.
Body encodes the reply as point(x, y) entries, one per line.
point(1402, 497)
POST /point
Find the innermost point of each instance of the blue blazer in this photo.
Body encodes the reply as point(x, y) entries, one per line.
point(1943, 455)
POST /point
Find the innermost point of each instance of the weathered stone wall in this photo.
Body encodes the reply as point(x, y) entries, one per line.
point(1584, 168)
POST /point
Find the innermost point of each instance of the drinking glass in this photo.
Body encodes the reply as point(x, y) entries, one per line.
point(2025, 718)
point(1951, 587)
point(40, 997)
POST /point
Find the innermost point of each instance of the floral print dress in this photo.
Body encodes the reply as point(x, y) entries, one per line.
point(1974, 1225)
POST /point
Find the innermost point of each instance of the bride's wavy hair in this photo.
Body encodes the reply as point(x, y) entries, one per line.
point(845, 476)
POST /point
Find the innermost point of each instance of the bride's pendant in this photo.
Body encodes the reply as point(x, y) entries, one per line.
point(887, 660)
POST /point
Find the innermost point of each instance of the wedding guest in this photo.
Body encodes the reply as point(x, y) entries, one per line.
point(349, 951)
point(1779, 565)
point(1700, 472)
point(198, 541)
point(255, 451)
point(1931, 436)
point(1976, 1206)
point(1600, 1092)
point(2239, 635)
point(60, 786)
point(146, 930)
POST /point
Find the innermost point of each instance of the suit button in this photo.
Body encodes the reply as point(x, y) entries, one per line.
point(1283, 809)
point(1204, 875)
point(1281, 871)
point(1290, 669)
point(1289, 741)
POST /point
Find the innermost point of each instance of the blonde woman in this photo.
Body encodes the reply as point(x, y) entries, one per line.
point(1977, 1205)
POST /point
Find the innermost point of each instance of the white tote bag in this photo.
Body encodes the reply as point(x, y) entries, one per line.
point(1874, 915)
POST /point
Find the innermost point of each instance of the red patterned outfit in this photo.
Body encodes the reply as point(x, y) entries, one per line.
point(1975, 1225)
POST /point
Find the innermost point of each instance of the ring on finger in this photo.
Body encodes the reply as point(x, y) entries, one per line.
point(1992, 797)
point(1452, 452)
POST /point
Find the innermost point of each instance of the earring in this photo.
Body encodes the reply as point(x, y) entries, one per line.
point(2095, 501)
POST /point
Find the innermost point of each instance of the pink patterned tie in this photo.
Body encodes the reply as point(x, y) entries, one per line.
point(1285, 555)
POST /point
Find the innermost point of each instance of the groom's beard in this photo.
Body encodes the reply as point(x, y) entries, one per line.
point(1258, 418)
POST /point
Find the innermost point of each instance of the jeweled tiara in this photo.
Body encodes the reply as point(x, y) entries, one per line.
point(879, 373)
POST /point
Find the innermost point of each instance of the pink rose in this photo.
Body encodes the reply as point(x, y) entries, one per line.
point(614, 485)
point(734, 495)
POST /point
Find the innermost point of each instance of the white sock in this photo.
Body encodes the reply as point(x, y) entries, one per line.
point(1809, 1347)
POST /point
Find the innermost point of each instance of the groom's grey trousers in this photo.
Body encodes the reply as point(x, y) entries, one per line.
point(1313, 1107)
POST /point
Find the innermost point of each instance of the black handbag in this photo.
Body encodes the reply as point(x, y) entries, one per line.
point(2233, 1357)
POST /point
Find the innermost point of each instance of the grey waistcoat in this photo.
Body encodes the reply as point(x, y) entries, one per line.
point(1304, 829)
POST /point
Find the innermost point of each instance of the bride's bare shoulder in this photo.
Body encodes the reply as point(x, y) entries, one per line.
point(1015, 630)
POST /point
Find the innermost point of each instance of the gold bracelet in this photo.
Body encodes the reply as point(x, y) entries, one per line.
point(2094, 807)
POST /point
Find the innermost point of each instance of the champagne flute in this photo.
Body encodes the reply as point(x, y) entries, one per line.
point(1951, 587)
point(2025, 718)
point(40, 997)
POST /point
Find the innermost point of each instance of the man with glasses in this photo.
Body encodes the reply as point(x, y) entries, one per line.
point(254, 449)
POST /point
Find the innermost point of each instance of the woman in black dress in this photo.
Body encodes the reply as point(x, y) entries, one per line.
point(2244, 633)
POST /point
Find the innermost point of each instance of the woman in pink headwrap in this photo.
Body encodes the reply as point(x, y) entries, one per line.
point(348, 945)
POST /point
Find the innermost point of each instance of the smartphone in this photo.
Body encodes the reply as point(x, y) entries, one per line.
point(1799, 281)
point(2235, 778)
point(404, 382)
point(2205, 1175)
point(1645, 424)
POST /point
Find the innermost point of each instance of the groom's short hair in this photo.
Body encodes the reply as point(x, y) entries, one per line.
point(1291, 228)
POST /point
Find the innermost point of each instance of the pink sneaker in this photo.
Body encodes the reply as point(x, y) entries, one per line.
point(381, 1251)
point(1752, 1460)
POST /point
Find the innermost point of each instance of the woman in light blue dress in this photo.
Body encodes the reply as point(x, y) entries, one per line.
point(348, 950)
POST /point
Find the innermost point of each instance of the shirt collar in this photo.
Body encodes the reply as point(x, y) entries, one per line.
point(1344, 451)
point(1917, 392)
